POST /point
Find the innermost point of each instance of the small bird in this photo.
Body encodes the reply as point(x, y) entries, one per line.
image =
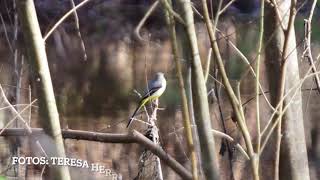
point(156, 87)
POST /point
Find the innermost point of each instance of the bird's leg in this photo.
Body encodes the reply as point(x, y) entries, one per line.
point(154, 103)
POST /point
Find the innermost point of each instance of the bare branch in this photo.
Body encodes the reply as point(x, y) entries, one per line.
point(76, 18)
point(6, 33)
point(131, 137)
point(13, 109)
point(307, 45)
point(172, 12)
point(258, 77)
point(276, 7)
point(143, 20)
point(296, 87)
point(15, 117)
point(207, 70)
point(226, 7)
point(250, 67)
point(63, 18)
point(229, 138)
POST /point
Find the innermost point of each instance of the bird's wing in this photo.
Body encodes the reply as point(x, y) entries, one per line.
point(151, 91)
point(143, 101)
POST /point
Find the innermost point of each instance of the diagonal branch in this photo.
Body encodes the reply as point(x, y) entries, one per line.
point(131, 137)
point(172, 12)
point(76, 18)
point(143, 20)
point(229, 138)
point(276, 8)
point(307, 46)
point(63, 18)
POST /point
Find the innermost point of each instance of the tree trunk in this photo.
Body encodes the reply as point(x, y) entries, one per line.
point(149, 163)
point(200, 99)
point(185, 111)
point(48, 112)
point(293, 156)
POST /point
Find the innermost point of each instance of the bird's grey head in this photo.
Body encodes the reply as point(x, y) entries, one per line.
point(159, 75)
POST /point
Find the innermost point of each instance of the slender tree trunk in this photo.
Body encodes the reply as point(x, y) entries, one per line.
point(293, 157)
point(48, 112)
point(185, 112)
point(200, 99)
point(184, 51)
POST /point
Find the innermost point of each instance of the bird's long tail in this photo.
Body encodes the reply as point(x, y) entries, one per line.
point(141, 104)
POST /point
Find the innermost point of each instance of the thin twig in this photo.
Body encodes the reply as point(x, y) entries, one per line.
point(226, 7)
point(41, 149)
point(172, 12)
point(179, 140)
point(143, 20)
point(295, 87)
point(141, 121)
point(307, 34)
point(13, 109)
point(258, 76)
point(216, 80)
point(216, 18)
point(63, 18)
point(27, 127)
point(250, 66)
point(15, 117)
point(76, 19)
point(6, 33)
point(229, 138)
point(30, 109)
point(232, 97)
point(16, 105)
point(207, 70)
point(42, 171)
point(221, 135)
point(276, 7)
point(196, 11)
